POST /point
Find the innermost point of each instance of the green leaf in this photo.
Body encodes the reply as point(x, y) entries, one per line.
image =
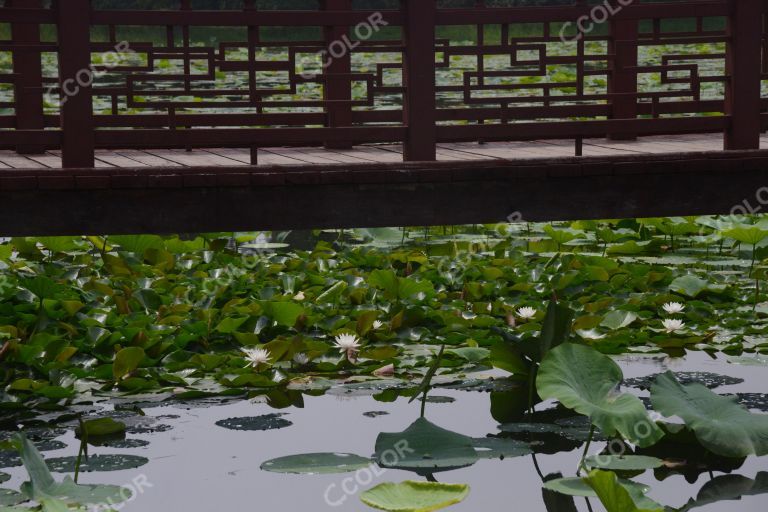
point(470, 354)
point(284, 313)
point(137, 244)
point(616, 497)
point(746, 234)
point(690, 286)
point(556, 327)
point(720, 424)
point(412, 496)
point(583, 379)
point(618, 319)
point(505, 355)
point(317, 463)
point(126, 361)
point(426, 448)
point(100, 427)
point(623, 462)
point(42, 486)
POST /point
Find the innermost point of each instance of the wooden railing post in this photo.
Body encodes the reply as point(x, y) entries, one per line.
point(77, 123)
point(337, 66)
point(743, 66)
point(623, 78)
point(419, 102)
point(27, 66)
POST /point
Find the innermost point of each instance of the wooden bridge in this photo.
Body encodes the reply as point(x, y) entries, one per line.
point(376, 113)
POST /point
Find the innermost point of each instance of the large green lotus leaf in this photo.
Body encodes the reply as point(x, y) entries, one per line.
point(720, 424)
point(746, 234)
point(729, 487)
point(4, 477)
point(425, 447)
point(583, 379)
point(616, 497)
point(316, 463)
point(42, 486)
point(412, 496)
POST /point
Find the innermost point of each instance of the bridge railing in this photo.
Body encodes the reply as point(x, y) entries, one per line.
point(77, 77)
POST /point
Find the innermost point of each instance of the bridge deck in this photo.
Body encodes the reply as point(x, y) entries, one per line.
point(380, 153)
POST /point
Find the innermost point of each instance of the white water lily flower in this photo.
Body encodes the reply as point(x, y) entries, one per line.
point(256, 356)
point(301, 359)
point(673, 325)
point(348, 343)
point(673, 308)
point(526, 313)
point(377, 324)
point(299, 296)
point(591, 334)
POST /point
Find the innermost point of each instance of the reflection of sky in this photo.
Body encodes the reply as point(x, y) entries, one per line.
point(199, 467)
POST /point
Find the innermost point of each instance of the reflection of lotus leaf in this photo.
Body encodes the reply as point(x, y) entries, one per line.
point(720, 424)
point(729, 487)
point(265, 422)
point(316, 463)
point(96, 463)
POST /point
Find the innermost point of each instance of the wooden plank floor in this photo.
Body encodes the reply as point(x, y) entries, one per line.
point(388, 153)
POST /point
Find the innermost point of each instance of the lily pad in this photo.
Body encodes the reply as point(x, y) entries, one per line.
point(266, 422)
point(96, 463)
point(425, 447)
point(623, 463)
point(316, 463)
point(4, 477)
point(412, 496)
point(9, 498)
point(583, 379)
point(720, 424)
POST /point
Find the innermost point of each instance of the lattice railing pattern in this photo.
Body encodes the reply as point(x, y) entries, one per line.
point(431, 70)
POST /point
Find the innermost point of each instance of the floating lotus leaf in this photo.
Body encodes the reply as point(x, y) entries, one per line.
point(414, 496)
point(720, 424)
point(583, 379)
point(623, 463)
point(426, 448)
point(266, 422)
point(501, 448)
point(4, 477)
point(316, 463)
point(96, 463)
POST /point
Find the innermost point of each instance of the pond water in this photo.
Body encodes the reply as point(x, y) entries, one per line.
point(197, 465)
